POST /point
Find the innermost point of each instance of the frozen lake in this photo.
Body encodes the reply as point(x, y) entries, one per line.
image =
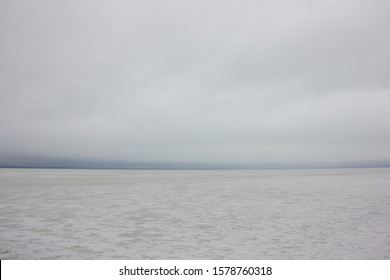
point(264, 214)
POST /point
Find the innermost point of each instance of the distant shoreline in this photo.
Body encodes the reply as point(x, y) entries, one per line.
point(194, 169)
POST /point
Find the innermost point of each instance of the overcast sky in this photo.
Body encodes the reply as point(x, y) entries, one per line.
point(204, 82)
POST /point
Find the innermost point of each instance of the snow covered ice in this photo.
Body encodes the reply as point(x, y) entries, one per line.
point(262, 214)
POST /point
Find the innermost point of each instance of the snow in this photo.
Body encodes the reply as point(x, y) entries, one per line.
point(259, 214)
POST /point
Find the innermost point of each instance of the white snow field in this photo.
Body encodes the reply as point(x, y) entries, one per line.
point(263, 214)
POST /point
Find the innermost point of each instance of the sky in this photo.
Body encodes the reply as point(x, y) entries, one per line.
point(184, 83)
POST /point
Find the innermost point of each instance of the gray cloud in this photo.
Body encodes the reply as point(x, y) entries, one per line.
point(249, 82)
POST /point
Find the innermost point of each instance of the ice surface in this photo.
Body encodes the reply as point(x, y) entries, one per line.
point(266, 214)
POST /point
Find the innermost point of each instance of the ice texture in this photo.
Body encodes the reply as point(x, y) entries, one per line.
point(259, 214)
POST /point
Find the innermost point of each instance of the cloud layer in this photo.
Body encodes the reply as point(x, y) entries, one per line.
point(248, 82)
